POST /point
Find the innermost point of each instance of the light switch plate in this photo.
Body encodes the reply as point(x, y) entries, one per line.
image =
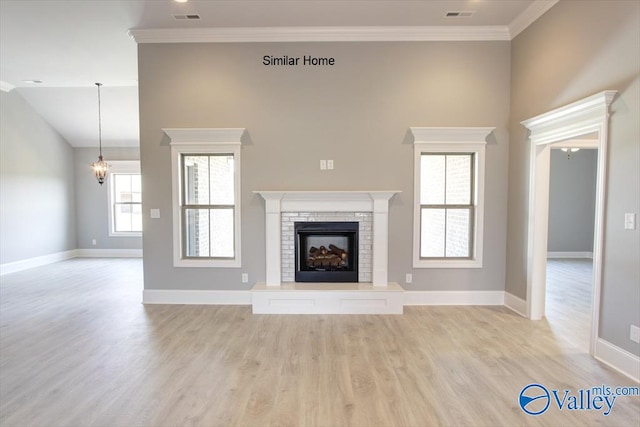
point(154, 213)
point(629, 221)
point(323, 164)
point(329, 164)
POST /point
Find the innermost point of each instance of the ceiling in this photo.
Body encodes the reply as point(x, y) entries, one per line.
point(70, 45)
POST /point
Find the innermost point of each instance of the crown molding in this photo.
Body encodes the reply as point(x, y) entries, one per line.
point(6, 87)
point(424, 135)
point(204, 135)
point(529, 16)
point(577, 118)
point(319, 34)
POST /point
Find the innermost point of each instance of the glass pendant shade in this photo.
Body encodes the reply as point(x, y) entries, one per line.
point(100, 169)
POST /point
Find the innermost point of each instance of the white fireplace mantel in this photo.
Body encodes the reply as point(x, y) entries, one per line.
point(376, 202)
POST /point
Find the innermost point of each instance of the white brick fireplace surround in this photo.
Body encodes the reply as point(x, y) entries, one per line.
point(371, 210)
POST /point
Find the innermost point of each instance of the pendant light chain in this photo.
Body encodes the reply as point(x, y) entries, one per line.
point(99, 120)
point(100, 167)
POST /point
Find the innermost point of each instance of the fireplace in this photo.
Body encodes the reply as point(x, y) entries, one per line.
point(326, 251)
point(284, 208)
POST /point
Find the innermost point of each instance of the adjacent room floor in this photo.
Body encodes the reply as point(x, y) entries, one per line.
point(77, 348)
point(568, 303)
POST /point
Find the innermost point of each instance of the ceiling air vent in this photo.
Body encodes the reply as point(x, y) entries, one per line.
point(459, 14)
point(189, 17)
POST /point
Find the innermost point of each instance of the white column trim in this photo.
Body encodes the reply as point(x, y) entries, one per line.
point(273, 237)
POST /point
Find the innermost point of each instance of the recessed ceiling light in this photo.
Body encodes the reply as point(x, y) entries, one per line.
point(33, 81)
point(180, 1)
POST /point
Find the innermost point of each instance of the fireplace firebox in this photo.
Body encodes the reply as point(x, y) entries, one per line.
point(326, 251)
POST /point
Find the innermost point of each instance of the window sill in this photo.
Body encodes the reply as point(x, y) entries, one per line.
point(125, 234)
point(472, 263)
point(207, 263)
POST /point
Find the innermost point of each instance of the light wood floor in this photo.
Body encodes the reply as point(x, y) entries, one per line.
point(568, 303)
point(78, 349)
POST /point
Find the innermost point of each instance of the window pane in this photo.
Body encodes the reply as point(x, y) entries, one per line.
point(432, 179)
point(122, 217)
point(128, 217)
point(197, 232)
point(222, 233)
point(196, 180)
point(122, 185)
point(221, 180)
point(136, 188)
point(136, 218)
point(458, 221)
point(126, 198)
point(432, 233)
point(458, 179)
point(209, 233)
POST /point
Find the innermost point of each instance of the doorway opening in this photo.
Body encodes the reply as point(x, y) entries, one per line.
point(587, 116)
point(570, 239)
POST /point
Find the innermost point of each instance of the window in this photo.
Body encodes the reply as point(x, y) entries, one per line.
point(206, 197)
point(449, 197)
point(125, 199)
point(208, 205)
point(446, 206)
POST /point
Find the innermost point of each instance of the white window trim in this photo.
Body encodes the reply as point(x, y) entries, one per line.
point(204, 141)
point(451, 140)
point(116, 167)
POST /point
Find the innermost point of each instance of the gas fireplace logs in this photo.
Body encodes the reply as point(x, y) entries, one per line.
point(323, 257)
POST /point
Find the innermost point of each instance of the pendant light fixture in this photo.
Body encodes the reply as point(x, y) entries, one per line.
point(569, 151)
point(100, 167)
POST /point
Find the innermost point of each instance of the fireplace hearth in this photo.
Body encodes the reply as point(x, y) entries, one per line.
point(326, 251)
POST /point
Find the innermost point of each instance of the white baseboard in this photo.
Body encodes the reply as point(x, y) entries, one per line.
point(556, 254)
point(617, 358)
point(160, 296)
point(515, 304)
point(173, 296)
point(453, 298)
point(25, 264)
point(109, 253)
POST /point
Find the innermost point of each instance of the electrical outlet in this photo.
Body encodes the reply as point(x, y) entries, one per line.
point(245, 278)
point(408, 278)
point(634, 334)
point(323, 164)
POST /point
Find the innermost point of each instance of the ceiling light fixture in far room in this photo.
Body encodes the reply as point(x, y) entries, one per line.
point(180, 1)
point(569, 151)
point(100, 167)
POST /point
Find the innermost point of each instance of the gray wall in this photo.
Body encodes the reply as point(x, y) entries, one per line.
point(576, 49)
point(37, 205)
point(356, 113)
point(93, 206)
point(572, 200)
